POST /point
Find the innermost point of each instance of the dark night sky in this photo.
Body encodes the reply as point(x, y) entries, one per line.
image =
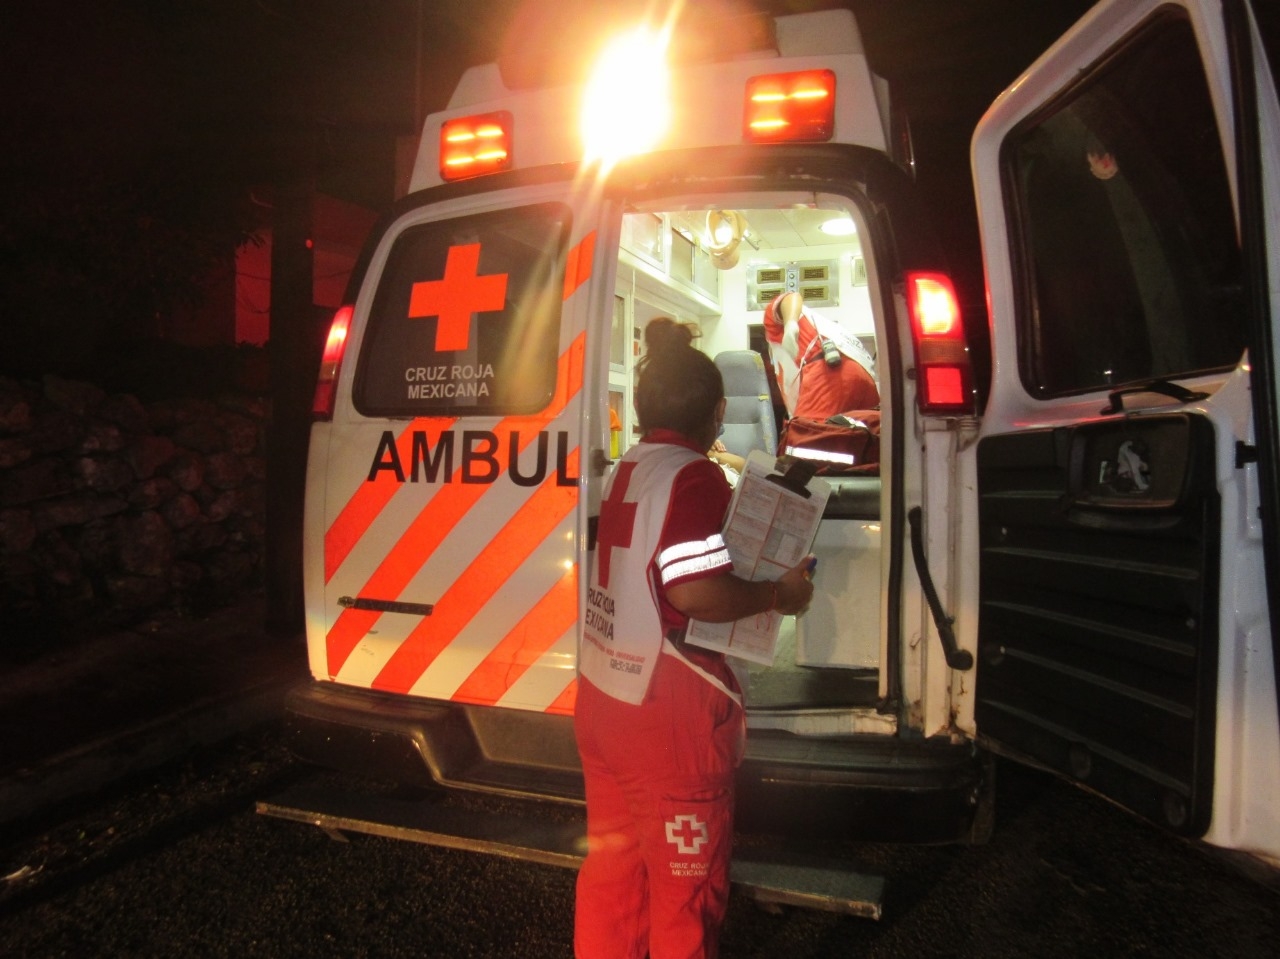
point(115, 82)
point(134, 128)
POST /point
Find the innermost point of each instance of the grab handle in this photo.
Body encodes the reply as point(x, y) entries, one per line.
point(1115, 399)
point(957, 658)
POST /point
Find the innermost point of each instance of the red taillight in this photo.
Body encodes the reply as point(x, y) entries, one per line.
point(791, 107)
point(330, 362)
point(943, 372)
point(471, 146)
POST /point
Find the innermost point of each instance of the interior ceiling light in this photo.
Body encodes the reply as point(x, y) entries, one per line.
point(725, 229)
point(839, 226)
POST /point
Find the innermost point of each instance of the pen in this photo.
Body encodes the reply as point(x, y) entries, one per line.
point(810, 567)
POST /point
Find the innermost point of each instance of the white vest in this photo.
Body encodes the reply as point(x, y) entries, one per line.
point(622, 630)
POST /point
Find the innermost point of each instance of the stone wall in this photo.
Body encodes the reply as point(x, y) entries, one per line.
point(113, 511)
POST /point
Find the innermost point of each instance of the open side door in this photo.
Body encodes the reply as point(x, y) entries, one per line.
point(1124, 635)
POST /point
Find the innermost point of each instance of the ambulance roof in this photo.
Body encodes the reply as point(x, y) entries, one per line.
point(707, 106)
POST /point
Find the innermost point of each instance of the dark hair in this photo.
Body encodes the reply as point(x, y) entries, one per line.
point(679, 386)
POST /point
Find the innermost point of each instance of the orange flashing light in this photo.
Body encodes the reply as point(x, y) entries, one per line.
point(330, 362)
point(473, 146)
point(943, 371)
point(790, 107)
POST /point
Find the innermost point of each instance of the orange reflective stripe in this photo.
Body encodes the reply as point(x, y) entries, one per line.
point(564, 703)
point(422, 537)
point(370, 498)
point(577, 268)
point(550, 617)
point(532, 523)
point(363, 508)
point(442, 513)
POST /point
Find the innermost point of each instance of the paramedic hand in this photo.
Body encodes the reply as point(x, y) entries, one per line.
point(794, 589)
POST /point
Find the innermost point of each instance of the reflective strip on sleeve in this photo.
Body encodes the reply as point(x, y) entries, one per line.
point(696, 556)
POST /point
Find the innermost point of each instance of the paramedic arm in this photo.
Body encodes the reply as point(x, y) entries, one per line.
point(719, 454)
point(724, 598)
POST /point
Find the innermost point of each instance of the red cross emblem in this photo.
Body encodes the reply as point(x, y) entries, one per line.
point(617, 521)
point(688, 834)
point(454, 298)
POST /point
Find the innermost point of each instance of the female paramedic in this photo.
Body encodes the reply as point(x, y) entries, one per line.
point(659, 724)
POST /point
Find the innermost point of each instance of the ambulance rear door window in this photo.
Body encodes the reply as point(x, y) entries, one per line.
point(466, 319)
point(1131, 268)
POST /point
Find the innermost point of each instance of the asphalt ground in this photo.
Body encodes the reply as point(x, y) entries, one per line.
point(87, 715)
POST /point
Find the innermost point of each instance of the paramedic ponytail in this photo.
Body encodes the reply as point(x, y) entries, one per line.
point(680, 388)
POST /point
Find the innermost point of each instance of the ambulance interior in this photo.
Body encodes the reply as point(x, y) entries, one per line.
point(718, 265)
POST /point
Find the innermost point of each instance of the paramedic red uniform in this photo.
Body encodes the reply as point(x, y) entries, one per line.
point(659, 725)
point(811, 386)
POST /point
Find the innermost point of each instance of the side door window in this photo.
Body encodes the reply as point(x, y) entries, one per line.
point(1121, 195)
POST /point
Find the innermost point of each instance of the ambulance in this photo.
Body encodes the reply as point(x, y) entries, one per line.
point(1064, 552)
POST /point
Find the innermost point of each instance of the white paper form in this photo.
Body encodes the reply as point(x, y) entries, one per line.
point(769, 530)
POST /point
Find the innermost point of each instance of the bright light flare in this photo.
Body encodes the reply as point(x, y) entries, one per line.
point(936, 311)
point(627, 105)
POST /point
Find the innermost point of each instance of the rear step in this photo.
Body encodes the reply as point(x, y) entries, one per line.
point(761, 876)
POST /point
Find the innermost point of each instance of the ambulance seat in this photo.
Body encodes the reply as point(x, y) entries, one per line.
point(748, 414)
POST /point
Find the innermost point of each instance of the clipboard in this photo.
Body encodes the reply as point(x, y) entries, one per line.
point(772, 521)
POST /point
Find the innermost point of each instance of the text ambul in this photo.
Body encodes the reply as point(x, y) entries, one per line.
point(477, 454)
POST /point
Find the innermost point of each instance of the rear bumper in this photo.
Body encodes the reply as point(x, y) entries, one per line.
point(427, 742)
point(867, 788)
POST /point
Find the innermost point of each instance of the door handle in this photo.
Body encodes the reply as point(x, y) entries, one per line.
point(599, 462)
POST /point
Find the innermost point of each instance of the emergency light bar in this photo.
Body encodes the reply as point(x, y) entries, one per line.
point(790, 107)
point(943, 374)
point(471, 146)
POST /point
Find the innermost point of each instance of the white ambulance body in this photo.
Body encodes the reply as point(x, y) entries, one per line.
point(1069, 570)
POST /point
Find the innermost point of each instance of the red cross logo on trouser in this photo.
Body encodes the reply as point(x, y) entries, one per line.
point(688, 834)
point(454, 298)
point(617, 521)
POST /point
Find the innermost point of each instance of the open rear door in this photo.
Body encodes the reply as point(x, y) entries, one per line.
point(1124, 634)
point(447, 484)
